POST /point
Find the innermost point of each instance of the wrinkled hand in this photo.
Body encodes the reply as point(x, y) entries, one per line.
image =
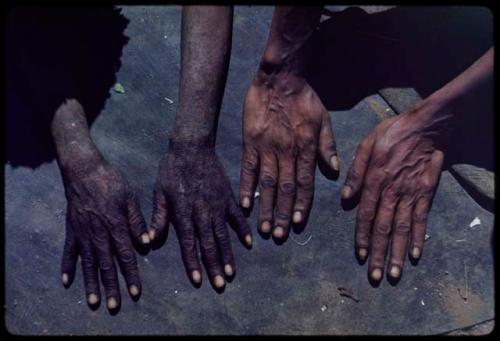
point(396, 170)
point(193, 192)
point(102, 221)
point(285, 127)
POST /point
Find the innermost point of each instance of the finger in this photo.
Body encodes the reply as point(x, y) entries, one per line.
point(127, 260)
point(400, 237)
point(238, 222)
point(187, 238)
point(380, 235)
point(248, 176)
point(136, 222)
point(358, 169)
point(89, 263)
point(267, 182)
point(306, 165)
point(224, 244)
point(208, 246)
point(107, 268)
point(422, 206)
point(70, 254)
point(365, 216)
point(159, 221)
point(327, 146)
point(286, 196)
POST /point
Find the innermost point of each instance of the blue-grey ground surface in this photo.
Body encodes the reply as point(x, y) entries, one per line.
point(287, 289)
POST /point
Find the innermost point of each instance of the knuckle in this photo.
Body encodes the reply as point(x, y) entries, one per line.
point(268, 182)
point(382, 229)
point(126, 255)
point(366, 214)
point(105, 264)
point(402, 228)
point(249, 166)
point(282, 216)
point(420, 217)
point(287, 188)
point(305, 181)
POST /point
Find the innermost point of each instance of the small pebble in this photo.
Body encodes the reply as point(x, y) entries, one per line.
point(422, 302)
point(427, 237)
point(324, 308)
point(175, 292)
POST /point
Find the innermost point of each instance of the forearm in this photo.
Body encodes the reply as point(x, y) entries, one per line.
point(205, 51)
point(290, 29)
point(70, 131)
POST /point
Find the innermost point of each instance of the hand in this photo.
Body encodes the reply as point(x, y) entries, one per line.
point(396, 170)
point(103, 218)
point(193, 192)
point(285, 127)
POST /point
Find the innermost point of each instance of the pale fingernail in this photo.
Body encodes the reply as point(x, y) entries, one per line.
point(134, 290)
point(245, 202)
point(219, 281)
point(145, 238)
point(265, 227)
point(228, 269)
point(377, 274)
point(297, 217)
point(196, 276)
point(65, 279)
point(279, 232)
point(248, 239)
point(112, 303)
point(346, 192)
point(151, 234)
point(395, 271)
point(415, 252)
point(92, 299)
point(362, 252)
point(334, 161)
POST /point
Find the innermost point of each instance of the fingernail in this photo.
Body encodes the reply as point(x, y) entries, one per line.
point(297, 217)
point(395, 271)
point(145, 238)
point(196, 276)
point(245, 202)
point(362, 253)
point(415, 252)
point(334, 161)
point(346, 192)
point(112, 303)
point(92, 299)
point(151, 234)
point(65, 279)
point(377, 274)
point(248, 240)
point(265, 227)
point(279, 232)
point(219, 281)
point(228, 269)
point(134, 290)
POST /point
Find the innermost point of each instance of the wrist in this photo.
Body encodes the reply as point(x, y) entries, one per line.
point(183, 145)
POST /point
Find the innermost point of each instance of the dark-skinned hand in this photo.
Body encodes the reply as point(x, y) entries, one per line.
point(396, 170)
point(193, 192)
point(285, 129)
point(103, 222)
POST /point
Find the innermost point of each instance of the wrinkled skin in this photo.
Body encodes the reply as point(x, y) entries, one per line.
point(194, 194)
point(285, 127)
point(396, 170)
point(103, 222)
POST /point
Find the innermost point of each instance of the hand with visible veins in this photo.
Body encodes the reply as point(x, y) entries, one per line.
point(103, 218)
point(193, 192)
point(286, 128)
point(396, 170)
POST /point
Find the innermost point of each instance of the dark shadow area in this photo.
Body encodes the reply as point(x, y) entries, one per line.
point(55, 53)
point(356, 54)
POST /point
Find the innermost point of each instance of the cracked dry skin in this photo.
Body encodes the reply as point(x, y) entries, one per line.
point(194, 194)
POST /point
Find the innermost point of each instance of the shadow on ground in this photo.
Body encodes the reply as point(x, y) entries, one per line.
point(54, 53)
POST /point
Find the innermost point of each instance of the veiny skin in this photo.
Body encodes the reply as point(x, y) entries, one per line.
point(285, 129)
point(397, 168)
point(194, 194)
point(103, 216)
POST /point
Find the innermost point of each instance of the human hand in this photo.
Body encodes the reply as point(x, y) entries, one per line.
point(285, 129)
point(103, 222)
point(193, 192)
point(396, 170)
